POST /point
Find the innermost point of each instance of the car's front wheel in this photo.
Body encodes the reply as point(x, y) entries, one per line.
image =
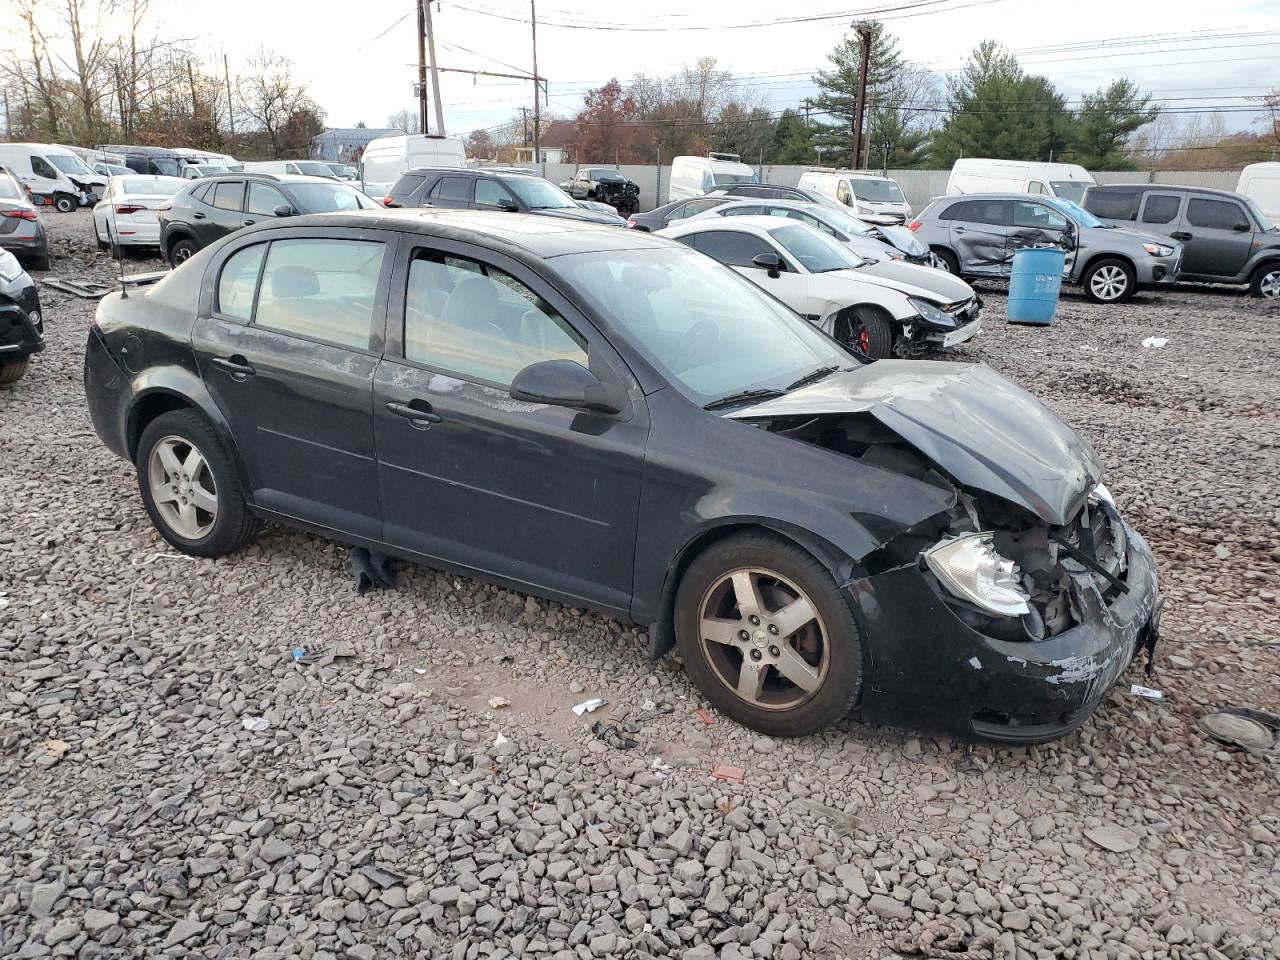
point(65, 203)
point(190, 486)
point(11, 371)
point(1109, 281)
point(1265, 282)
point(767, 636)
point(868, 331)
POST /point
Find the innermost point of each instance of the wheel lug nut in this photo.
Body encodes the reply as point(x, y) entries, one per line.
point(754, 620)
point(755, 654)
point(775, 652)
point(773, 628)
point(743, 635)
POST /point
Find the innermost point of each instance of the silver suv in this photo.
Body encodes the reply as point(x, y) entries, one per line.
point(976, 236)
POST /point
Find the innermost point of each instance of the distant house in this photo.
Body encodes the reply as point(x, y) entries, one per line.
point(345, 144)
point(555, 136)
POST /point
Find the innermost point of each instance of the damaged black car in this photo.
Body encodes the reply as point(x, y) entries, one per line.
point(605, 185)
point(611, 420)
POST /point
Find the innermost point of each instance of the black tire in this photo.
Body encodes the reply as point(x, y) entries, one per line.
point(870, 332)
point(65, 203)
point(182, 251)
point(11, 371)
point(1265, 281)
point(1109, 280)
point(39, 262)
point(97, 238)
point(235, 525)
point(949, 262)
point(841, 685)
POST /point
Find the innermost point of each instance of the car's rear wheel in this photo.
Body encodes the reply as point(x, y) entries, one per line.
point(11, 371)
point(39, 262)
point(947, 261)
point(766, 635)
point(182, 251)
point(1266, 282)
point(1109, 281)
point(190, 486)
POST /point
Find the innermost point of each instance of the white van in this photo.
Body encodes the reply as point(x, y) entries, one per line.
point(49, 170)
point(695, 176)
point(386, 158)
point(1260, 182)
point(869, 196)
point(1066, 180)
point(306, 168)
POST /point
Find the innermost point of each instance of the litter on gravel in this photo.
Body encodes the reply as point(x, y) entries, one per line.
point(589, 706)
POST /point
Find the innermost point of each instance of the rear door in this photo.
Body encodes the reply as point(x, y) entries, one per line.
point(451, 191)
point(225, 211)
point(978, 236)
point(1217, 234)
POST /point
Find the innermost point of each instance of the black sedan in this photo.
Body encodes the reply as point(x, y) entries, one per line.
point(213, 207)
point(612, 420)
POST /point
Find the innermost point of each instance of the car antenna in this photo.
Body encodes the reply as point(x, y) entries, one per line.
point(119, 251)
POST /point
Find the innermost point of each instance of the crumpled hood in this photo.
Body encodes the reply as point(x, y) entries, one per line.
point(904, 240)
point(578, 213)
point(940, 286)
point(984, 431)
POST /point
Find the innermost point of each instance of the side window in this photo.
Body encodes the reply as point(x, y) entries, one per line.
point(452, 188)
point(741, 212)
point(1160, 208)
point(202, 192)
point(490, 193)
point(843, 193)
point(238, 281)
point(955, 211)
point(1037, 188)
point(1037, 215)
point(291, 168)
point(42, 168)
point(228, 194)
point(264, 199)
point(994, 212)
point(322, 289)
point(692, 208)
point(1214, 214)
point(1113, 204)
point(476, 322)
point(731, 247)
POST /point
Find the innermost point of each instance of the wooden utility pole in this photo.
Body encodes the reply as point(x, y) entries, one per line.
point(864, 32)
point(435, 77)
point(422, 64)
point(537, 109)
point(231, 112)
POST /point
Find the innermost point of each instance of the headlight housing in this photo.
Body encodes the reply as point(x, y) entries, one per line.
point(932, 313)
point(969, 567)
point(1158, 249)
point(1100, 492)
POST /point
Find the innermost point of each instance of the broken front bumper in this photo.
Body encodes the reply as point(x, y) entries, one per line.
point(928, 669)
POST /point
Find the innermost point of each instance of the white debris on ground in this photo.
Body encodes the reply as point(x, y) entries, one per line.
point(386, 808)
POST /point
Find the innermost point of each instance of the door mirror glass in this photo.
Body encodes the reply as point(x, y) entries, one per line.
point(566, 383)
point(768, 261)
point(283, 210)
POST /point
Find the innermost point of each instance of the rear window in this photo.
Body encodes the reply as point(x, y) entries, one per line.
point(1113, 204)
point(142, 187)
point(228, 195)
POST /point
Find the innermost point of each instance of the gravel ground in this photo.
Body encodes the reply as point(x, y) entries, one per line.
point(391, 808)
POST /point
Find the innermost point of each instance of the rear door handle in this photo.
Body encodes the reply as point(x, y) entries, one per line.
point(236, 365)
point(250, 223)
point(958, 229)
point(417, 412)
point(1181, 235)
point(197, 215)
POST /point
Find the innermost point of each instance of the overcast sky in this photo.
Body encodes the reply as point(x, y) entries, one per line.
point(357, 75)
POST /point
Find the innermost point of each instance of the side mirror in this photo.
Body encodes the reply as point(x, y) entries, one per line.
point(1241, 226)
point(768, 261)
point(507, 204)
point(566, 383)
point(284, 210)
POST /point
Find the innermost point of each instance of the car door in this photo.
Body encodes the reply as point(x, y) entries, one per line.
point(1161, 214)
point(451, 191)
point(738, 249)
point(978, 236)
point(531, 493)
point(225, 211)
point(288, 339)
point(262, 201)
point(580, 185)
point(1035, 224)
point(1217, 235)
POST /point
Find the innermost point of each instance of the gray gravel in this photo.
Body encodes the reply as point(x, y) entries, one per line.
point(387, 810)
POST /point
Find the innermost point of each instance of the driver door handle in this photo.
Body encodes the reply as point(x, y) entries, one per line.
point(236, 365)
point(197, 215)
point(417, 412)
point(1181, 235)
point(958, 229)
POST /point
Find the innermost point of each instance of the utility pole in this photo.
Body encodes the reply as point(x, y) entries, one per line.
point(422, 64)
point(864, 33)
point(537, 109)
point(524, 116)
point(231, 113)
point(867, 139)
point(435, 77)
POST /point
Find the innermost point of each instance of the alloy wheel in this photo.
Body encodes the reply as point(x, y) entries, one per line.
point(181, 254)
point(1109, 282)
point(763, 638)
point(182, 487)
point(1269, 286)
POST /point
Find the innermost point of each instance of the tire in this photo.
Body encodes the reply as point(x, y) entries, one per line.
point(870, 333)
point(182, 251)
point(949, 262)
point(1265, 282)
point(65, 203)
point(1109, 281)
point(39, 262)
point(97, 238)
point(11, 371)
point(220, 520)
point(781, 574)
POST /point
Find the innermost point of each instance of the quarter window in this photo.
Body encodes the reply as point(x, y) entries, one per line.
point(202, 192)
point(321, 289)
point(476, 322)
point(1214, 214)
point(452, 188)
point(238, 281)
point(1160, 208)
point(228, 195)
point(264, 199)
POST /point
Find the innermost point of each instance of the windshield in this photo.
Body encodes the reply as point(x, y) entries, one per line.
point(341, 169)
point(834, 217)
point(877, 191)
point(1076, 212)
point(327, 197)
point(606, 175)
point(711, 332)
point(69, 163)
point(209, 169)
point(816, 251)
point(143, 187)
point(1072, 190)
point(314, 168)
point(538, 194)
point(724, 179)
point(1258, 215)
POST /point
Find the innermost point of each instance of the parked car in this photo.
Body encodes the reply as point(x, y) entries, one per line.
point(822, 280)
point(1260, 182)
point(306, 168)
point(977, 236)
point(480, 189)
point(1225, 237)
point(869, 196)
point(128, 213)
point(606, 186)
point(869, 242)
point(194, 171)
point(613, 421)
point(669, 213)
point(774, 191)
point(974, 175)
point(696, 176)
point(210, 208)
point(21, 231)
point(148, 161)
point(21, 325)
point(55, 175)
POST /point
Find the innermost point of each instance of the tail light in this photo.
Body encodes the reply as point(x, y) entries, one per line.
point(22, 214)
point(165, 207)
point(631, 222)
point(128, 208)
point(389, 202)
point(913, 226)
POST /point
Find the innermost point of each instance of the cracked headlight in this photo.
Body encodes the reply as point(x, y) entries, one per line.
point(1100, 492)
point(1158, 249)
point(932, 314)
point(970, 568)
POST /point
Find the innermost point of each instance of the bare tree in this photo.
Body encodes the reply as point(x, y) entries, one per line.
point(271, 96)
point(406, 120)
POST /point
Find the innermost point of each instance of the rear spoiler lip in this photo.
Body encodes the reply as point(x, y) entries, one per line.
point(144, 279)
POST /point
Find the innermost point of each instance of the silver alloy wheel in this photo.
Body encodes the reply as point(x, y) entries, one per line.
point(181, 254)
point(1269, 287)
point(182, 487)
point(763, 638)
point(1109, 282)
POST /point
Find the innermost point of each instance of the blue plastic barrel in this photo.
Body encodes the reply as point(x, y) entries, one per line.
point(1034, 284)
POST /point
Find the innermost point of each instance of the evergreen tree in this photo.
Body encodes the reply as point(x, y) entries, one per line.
point(838, 99)
point(1104, 123)
point(792, 141)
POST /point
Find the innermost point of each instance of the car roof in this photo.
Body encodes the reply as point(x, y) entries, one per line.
point(743, 224)
point(1163, 188)
point(272, 177)
point(957, 197)
point(785, 203)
